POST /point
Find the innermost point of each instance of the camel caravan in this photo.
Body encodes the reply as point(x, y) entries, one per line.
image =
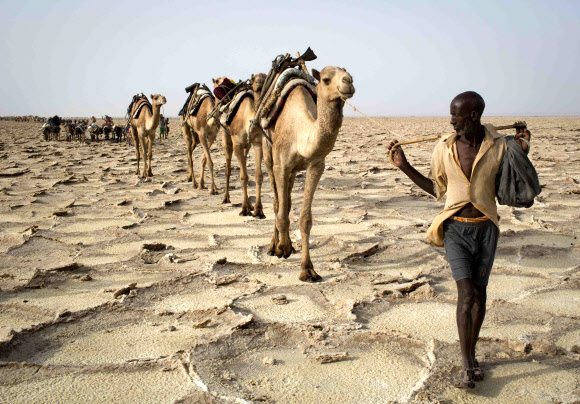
point(289, 117)
point(56, 128)
point(71, 129)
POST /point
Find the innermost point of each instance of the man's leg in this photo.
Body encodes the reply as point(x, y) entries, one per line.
point(481, 269)
point(477, 316)
point(465, 327)
point(465, 320)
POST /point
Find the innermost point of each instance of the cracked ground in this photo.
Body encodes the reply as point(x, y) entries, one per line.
point(116, 289)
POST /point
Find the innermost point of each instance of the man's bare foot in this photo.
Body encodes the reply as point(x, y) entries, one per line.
point(466, 381)
point(478, 374)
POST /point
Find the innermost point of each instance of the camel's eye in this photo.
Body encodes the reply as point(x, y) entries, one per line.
point(326, 81)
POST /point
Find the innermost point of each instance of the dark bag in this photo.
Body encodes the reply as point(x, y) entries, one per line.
point(516, 183)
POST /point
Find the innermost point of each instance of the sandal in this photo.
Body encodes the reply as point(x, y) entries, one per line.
point(478, 374)
point(467, 381)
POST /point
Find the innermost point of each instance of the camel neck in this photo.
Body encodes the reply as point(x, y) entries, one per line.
point(153, 120)
point(324, 132)
point(329, 119)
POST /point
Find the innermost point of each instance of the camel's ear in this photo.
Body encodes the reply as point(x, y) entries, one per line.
point(316, 74)
point(213, 80)
point(152, 97)
point(252, 78)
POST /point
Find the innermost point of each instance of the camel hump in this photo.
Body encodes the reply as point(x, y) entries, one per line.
point(287, 81)
point(137, 104)
point(194, 99)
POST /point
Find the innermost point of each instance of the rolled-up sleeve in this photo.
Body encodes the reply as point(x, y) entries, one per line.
point(437, 173)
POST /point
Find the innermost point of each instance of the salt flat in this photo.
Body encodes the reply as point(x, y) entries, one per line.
point(192, 327)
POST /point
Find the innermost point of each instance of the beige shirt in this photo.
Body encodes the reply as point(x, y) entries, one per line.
point(448, 178)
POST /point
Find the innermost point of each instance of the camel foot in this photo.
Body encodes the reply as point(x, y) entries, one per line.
point(259, 212)
point(272, 248)
point(259, 215)
point(308, 277)
point(200, 187)
point(226, 199)
point(308, 274)
point(189, 178)
point(213, 190)
point(246, 210)
point(283, 250)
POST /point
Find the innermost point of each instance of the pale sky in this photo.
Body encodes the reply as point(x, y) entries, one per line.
point(82, 58)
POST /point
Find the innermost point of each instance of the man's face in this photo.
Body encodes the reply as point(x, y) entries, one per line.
point(460, 117)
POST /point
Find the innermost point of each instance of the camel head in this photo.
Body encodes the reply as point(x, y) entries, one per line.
point(218, 81)
point(257, 81)
point(158, 100)
point(333, 83)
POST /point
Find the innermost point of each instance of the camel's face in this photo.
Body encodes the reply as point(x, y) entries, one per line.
point(218, 81)
point(333, 83)
point(158, 99)
point(257, 81)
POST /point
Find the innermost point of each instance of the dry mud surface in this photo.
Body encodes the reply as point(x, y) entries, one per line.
point(115, 289)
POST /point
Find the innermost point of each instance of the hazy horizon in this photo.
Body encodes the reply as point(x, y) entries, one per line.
point(407, 58)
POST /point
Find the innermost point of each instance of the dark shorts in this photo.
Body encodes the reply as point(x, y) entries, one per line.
point(470, 249)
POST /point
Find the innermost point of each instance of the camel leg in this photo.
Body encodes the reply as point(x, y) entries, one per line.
point(201, 184)
point(241, 156)
point(137, 146)
point(228, 150)
point(144, 153)
point(189, 149)
point(269, 169)
point(207, 158)
point(258, 209)
point(290, 187)
point(313, 174)
point(150, 140)
point(282, 176)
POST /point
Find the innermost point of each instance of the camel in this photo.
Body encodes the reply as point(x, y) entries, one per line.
point(242, 134)
point(302, 137)
point(198, 129)
point(143, 131)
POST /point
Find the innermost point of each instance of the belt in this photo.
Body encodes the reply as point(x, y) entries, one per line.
point(470, 219)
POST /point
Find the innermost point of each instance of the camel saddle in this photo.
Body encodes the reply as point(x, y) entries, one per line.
point(231, 108)
point(137, 104)
point(197, 93)
point(279, 91)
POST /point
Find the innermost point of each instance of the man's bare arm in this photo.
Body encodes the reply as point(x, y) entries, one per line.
point(419, 179)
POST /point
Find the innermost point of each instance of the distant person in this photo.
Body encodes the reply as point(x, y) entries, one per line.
point(162, 127)
point(464, 166)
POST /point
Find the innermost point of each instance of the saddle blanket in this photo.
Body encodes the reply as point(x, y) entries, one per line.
point(269, 120)
point(234, 105)
point(138, 106)
point(195, 103)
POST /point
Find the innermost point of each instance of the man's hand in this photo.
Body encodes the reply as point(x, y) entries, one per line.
point(521, 134)
point(398, 154)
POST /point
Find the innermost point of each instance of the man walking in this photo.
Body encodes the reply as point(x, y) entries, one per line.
point(464, 167)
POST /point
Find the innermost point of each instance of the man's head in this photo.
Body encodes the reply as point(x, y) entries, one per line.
point(466, 110)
